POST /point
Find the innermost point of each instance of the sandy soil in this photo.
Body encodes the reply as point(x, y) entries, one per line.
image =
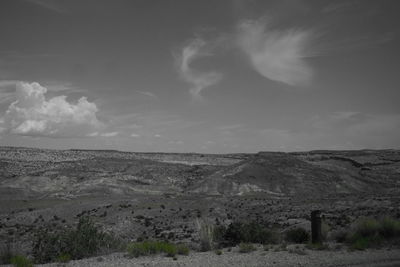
point(377, 258)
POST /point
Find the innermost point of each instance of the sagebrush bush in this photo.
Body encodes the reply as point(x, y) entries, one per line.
point(297, 235)
point(84, 241)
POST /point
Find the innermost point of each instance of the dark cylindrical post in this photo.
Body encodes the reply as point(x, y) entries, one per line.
point(316, 234)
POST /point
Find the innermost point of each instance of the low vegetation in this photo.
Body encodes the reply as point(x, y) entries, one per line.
point(237, 233)
point(84, 241)
point(207, 235)
point(21, 261)
point(6, 254)
point(246, 247)
point(367, 233)
point(147, 248)
point(297, 235)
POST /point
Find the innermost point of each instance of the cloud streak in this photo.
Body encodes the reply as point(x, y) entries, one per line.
point(31, 114)
point(278, 55)
point(199, 80)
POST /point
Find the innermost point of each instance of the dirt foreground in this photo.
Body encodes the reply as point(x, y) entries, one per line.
point(376, 258)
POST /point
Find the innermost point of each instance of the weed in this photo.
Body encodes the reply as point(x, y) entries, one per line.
point(64, 258)
point(155, 247)
point(218, 252)
point(21, 261)
point(246, 247)
point(181, 249)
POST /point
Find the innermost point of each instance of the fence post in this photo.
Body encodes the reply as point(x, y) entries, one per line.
point(316, 234)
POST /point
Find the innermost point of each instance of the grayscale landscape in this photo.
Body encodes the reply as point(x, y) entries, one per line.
point(200, 133)
point(164, 195)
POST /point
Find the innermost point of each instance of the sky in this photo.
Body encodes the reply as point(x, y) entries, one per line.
point(200, 76)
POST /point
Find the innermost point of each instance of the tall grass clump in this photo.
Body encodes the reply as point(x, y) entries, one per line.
point(21, 261)
point(84, 241)
point(206, 235)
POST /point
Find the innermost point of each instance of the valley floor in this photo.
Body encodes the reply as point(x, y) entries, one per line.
point(368, 258)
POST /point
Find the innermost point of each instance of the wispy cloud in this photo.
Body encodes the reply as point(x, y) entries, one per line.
point(146, 93)
point(198, 79)
point(49, 4)
point(276, 54)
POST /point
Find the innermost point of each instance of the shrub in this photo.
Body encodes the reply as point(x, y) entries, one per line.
point(84, 241)
point(389, 228)
point(367, 227)
point(340, 236)
point(21, 261)
point(249, 233)
point(364, 234)
point(155, 247)
point(246, 247)
point(219, 234)
point(64, 257)
point(218, 252)
point(297, 235)
point(170, 250)
point(181, 249)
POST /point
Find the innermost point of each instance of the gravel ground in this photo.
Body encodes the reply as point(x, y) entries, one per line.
point(368, 258)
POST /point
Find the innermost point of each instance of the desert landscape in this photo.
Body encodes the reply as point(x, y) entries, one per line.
point(200, 133)
point(164, 196)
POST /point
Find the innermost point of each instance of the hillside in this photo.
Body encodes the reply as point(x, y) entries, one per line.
point(37, 173)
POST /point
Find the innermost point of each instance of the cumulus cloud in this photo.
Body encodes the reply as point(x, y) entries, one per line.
point(199, 80)
point(31, 114)
point(276, 54)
